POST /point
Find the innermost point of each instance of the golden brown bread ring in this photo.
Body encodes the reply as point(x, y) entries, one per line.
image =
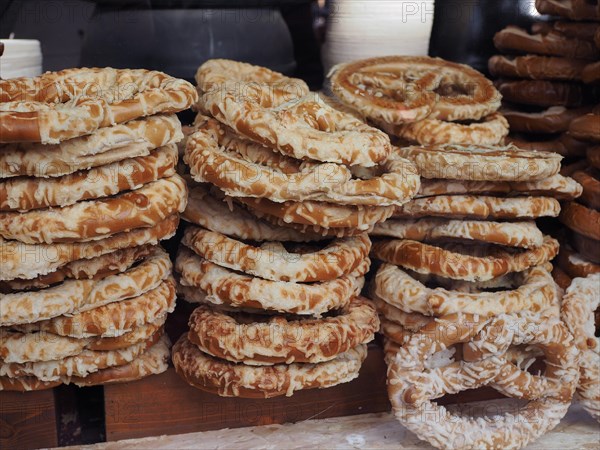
point(555, 119)
point(57, 106)
point(513, 39)
point(591, 188)
point(574, 264)
point(586, 247)
point(403, 89)
point(581, 219)
point(394, 332)
point(490, 130)
point(586, 128)
point(250, 339)
point(460, 262)
point(226, 287)
point(561, 277)
point(591, 73)
point(97, 219)
point(28, 261)
point(579, 30)
point(593, 156)
point(571, 9)
point(546, 93)
point(565, 144)
point(107, 145)
point(239, 380)
point(535, 67)
point(24, 194)
point(272, 261)
point(26, 384)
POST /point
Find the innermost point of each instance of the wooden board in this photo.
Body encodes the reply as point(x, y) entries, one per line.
point(27, 420)
point(165, 404)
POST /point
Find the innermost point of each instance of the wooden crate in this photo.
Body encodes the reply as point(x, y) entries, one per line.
point(28, 420)
point(165, 404)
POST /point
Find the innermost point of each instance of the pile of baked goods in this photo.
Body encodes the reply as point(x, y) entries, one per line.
point(549, 78)
point(87, 190)
point(465, 291)
point(282, 191)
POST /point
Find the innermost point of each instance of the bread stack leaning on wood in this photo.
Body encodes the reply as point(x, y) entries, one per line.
point(550, 77)
point(282, 191)
point(464, 290)
point(88, 189)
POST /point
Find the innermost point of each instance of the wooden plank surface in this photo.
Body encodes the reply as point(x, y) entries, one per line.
point(165, 404)
point(27, 420)
point(374, 431)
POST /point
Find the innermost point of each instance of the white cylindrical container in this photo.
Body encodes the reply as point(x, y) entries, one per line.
point(358, 29)
point(21, 58)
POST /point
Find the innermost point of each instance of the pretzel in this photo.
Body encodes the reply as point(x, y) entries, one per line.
point(27, 261)
point(581, 219)
point(218, 214)
point(557, 186)
point(460, 261)
point(277, 340)
point(272, 261)
point(82, 364)
point(587, 247)
point(591, 73)
point(512, 234)
point(75, 296)
point(57, 106)
point(106, 146)
point(546, 93)
point(17, 347)
point(565, 145)
point(572, 9)
point(555, 119)
point(479, 207)
point(24, 194)
point(93, 268)
point(215, 72)
point(239, 380)
point(97, 219)
point(535, 67)
point(321, 214)
point(586, 128)
point(536, 292)
point(591, 188)
point(490, 130)
point(415, 377)
point(593, 156)
point(304, 127)
point(224, 286)
point(112, 320)
point(482, 162)
point(26, 384)
point(411, 322)
point(401, 89)
point(579, 30)
point(574, 264)
point(217, 156)
point(394, 332)
point(513, 39)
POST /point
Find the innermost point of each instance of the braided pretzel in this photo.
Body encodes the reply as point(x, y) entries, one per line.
point(237, 167)
point(24, 194)
point(57, 106)
point(240, 380)
point(400, 89)
point(536, 291)
point(512, 234)
point(490, 130)
point(224, 286)
point(414, 379)
point(272, 261)
point(74, 296)
point(276, 340)
point(481, 162)
point(304, 128)
point(479, 207)
point(462, 262)
point(96, 219)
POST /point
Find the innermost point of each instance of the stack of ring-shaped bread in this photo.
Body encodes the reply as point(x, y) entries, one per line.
point(422, 100)
point(549, 78)
point(464, 285)
point(88, 189)
point(283, 188)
